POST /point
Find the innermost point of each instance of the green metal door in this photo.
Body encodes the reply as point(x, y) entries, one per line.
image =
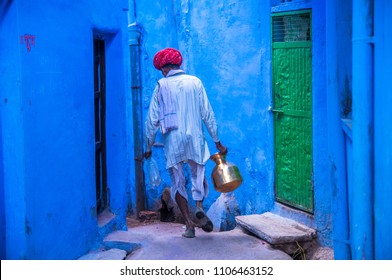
point(292, 99)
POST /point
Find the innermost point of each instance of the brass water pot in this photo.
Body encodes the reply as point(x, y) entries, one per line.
point(225, 175)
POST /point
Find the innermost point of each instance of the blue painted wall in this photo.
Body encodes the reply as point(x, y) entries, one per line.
point(358, 57)
point(227, 45)
point(231, 57)
point(2, 209)
point(339, 96)
point(47, 118)
point(383, 135)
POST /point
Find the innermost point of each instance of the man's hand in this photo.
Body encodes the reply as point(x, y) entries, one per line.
point(222, 149)
point(147, 154)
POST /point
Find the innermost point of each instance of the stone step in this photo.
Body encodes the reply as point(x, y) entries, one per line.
point(112, 254)
point(282, 233)
point(112, 250)
point(275, 229)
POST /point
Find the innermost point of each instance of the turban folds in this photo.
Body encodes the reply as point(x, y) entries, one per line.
point(167, 56)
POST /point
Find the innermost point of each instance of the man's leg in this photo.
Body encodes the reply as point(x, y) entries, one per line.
point(199, 204)
point(179, 192)
point(183, 205)
point(199, 192)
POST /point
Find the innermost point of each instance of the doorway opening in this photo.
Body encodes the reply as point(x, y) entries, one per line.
point(100, 122)
point(292, 99)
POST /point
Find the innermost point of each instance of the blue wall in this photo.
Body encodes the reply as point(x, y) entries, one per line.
point(2, 209)
point(227, 45)
point(358, 56)
point(223, 45)
point(339, 77)
point(48, 123)
point(382, 130)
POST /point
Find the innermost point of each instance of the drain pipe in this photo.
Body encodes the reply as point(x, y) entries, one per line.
point(134, 50)
point(361, 220)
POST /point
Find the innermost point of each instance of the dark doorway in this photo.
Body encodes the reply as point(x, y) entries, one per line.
point(100, 117)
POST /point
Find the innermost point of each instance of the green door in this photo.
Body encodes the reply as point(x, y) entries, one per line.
point(292, 99)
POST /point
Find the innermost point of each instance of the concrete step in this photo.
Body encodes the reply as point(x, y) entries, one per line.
point(282, 233)
point(111, 254)
point(112, 250)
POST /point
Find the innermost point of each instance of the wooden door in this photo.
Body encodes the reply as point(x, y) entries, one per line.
point(292, 99)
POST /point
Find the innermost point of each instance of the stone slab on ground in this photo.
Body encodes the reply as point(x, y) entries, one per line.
point(112, 254)
point(275, 229)
point(128, 247)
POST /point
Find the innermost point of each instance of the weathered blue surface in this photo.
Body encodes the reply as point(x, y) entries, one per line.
point(226, 55)
point(47, 115)
point(383, 135)
point(338, 69)
point(2, 209)
point(358, 89)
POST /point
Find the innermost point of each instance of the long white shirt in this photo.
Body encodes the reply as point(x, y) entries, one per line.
point(193, 108)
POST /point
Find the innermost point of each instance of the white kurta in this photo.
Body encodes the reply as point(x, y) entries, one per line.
point(193, 108)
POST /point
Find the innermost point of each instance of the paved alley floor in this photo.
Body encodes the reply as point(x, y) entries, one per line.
point(157, 240)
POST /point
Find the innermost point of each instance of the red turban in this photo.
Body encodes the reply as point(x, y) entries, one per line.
point(167, 56)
